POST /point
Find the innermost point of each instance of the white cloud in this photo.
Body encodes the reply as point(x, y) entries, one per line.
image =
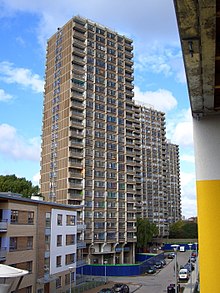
point(22, 76)
point(188, 194)
point(187, 158)
point(141, 12)
point(144, 15)
point(161, 99)
point(36, 179)
point(160, 58)
point(4, 97)
point(16, 147)
point(187, 178)
point(183, 134)
point(189, 207)
point(180, 129)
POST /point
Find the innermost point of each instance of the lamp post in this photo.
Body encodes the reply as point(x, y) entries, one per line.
point(190, 262)
point(71, 269)
point(175, 247)
point(196, 244)
point(105, 262)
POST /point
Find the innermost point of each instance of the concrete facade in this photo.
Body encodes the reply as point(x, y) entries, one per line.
point(92, 150)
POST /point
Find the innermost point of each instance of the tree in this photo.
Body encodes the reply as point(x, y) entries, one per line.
point(183, 230)
point(11, 183)
point(145, 232)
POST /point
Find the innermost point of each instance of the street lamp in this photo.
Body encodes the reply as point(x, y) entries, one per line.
point(105, 262)
point(196, 244)
point(71, 269)
point(190, 262)
point(175, 247)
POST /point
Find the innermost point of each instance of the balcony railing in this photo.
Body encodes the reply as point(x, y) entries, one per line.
point(81, 245)
point(80, 263)
point(81, 227)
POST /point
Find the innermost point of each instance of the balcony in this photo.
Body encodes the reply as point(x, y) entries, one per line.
point(81, 227)
point(128, 69)
point(73, 185)
point(78, 43)
point(76, 141)
point(75, 196)
point(76, 122)
point(76, 133)
point(128, 46)
point(78, 51)
point(81, 245)
point(79, 36)
point(129, 54)
point(129, 62)
point(78, 60)
point(3, 225)
point(80, 263)
point(79, 26)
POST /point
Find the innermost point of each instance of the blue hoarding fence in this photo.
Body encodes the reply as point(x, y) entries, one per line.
point(143, 262)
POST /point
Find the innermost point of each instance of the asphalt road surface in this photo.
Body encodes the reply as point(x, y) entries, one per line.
point(157, 283)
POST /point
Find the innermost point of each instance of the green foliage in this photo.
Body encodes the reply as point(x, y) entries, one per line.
point(183, 230)
point(145, 232)
point(17, 185)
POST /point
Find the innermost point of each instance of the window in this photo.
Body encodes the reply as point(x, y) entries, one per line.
point(30, 217)
point(99, 184)
point(59, 240)
point(70, 239)
point(14, 216)
point(29, 242)
point(58, 282)
point(48, 220)
point(70, 258)
point(28, 289)
point(13, 243)
point(59, 219)
point(47, 242)
point(70, 220)
point(58, 261)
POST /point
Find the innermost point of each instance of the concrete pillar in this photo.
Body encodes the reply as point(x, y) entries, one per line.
point(207, 158)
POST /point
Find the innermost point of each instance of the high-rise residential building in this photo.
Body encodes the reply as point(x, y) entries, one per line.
point(160, 172)
point(173, 182)
point(153, 150)
point(92, 152)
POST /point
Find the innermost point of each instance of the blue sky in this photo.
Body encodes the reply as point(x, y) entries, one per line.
point(160, 80)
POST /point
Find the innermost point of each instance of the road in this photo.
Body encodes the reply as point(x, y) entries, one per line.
point(154, 283)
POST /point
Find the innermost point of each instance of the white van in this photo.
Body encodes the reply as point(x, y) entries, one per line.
point(183, 275)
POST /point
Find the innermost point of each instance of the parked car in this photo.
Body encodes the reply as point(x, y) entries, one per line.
point(183, 275)
point(189, 267)
point(194, 253)
point(106, 290)
point(193, 259)
point(163, 262)
point(151, 270)
point(119, 287)
point(158, 265)
point(171, 255)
